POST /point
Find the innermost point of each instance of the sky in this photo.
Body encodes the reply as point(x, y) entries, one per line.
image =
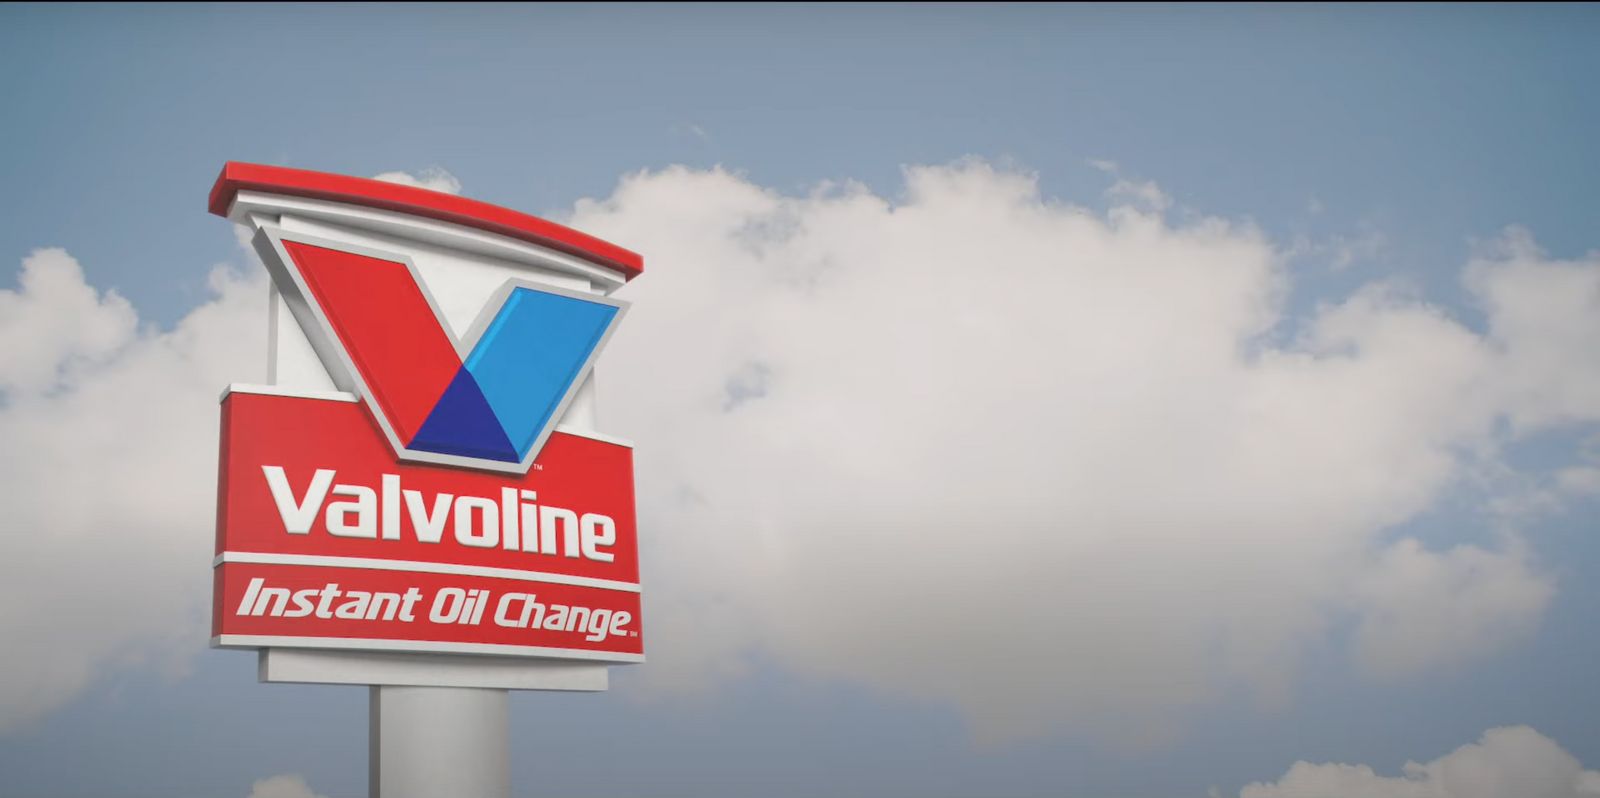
point(1096, 401)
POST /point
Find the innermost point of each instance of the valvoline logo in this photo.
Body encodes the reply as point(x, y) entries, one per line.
point(487, 399)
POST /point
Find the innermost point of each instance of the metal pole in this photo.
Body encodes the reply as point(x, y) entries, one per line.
point(449, 742)
point(439, 742)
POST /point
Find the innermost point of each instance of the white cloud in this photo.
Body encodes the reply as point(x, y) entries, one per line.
point(1144, 194)
point(433, 178)
point(1512, 761)
point(1340, 251)
point(1544, 318)
point(1425, 610)
point(1042, 462)
point(284, 786)
point(56, 323)
point(108, 471)
point(691, 130)
point(1345, 250)
point(1582, 480)
point(969, 446)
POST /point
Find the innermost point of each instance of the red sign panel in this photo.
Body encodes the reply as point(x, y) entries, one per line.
point(324, 539)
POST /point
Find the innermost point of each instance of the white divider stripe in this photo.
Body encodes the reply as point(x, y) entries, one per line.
point(291, 393)
point(267, 641)
point(415, 566)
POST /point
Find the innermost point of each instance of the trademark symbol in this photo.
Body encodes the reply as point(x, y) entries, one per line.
point(633, 634)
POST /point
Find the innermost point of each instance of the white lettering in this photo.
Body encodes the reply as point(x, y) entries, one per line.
point(356, 604)
point(483, 604)
point(506, 601)
point(549, 519)
point(512, 520)
point(303, 605)
point(598, 530)
point(328, 593)
point(595, 624)
point(297, 515)
point(413, 595)
point(619, 620)
point(364, 508)
point(384, 604)
point(391, 507)
point(250, 596)
point(556, 620)
point(508, 519)
point(447, 605)
point(486, 535)
point(276, 596)
point(530, 522)
point(429, 526)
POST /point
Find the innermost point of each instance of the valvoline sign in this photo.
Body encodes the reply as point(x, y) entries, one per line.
point(434, 502)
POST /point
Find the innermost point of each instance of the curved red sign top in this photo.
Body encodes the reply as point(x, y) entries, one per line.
point(419, 202)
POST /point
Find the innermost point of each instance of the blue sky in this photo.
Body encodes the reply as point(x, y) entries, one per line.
point(1403, 137)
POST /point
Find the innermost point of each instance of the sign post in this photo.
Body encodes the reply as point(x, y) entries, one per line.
point(419, 499)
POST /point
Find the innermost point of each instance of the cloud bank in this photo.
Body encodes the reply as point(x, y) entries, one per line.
point(1508, 761)
point(1043, 462)
point(965, 445)
point(108, 471)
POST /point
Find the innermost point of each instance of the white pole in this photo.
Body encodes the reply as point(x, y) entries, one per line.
point(439, 742)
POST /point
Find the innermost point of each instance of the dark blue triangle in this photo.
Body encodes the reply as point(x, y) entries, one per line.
point(463, 424)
